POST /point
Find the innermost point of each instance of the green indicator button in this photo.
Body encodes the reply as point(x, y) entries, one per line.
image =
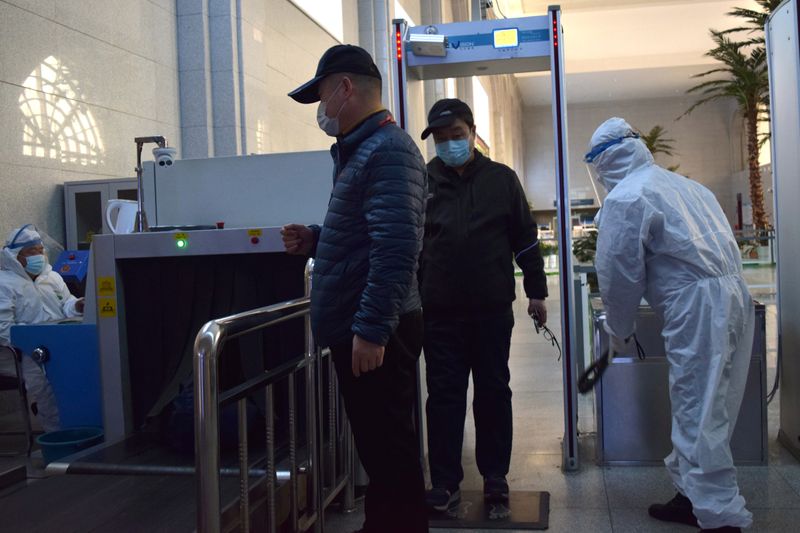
point(181, 241)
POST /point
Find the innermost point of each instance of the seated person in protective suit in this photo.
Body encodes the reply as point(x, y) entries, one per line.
point(31, 293)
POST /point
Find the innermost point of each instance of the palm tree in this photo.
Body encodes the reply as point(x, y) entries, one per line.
point(657, 143)
point(754, 24)
point(755, 20)
point(747, 83)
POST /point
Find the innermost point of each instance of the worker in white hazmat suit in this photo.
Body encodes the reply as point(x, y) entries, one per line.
point(665, 238)
point(31, 293)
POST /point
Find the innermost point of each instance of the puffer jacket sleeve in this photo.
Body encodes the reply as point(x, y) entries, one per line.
point(394, 207)
point(315, 230)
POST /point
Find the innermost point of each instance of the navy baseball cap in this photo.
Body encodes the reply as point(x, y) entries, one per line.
point(340, 58)
point(445, 112)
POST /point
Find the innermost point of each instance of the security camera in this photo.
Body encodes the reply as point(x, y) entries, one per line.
point(164, 156)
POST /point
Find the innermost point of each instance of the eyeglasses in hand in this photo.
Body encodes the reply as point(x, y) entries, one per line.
point(548, 335)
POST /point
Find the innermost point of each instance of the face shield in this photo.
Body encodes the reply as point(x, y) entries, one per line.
point(593, 174)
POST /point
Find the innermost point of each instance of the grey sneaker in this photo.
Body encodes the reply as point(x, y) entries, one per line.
point(440, 499)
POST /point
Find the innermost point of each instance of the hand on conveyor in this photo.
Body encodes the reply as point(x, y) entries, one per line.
point(297, 239)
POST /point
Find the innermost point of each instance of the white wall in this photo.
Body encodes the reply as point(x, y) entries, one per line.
point(105, 72)
point(281, 49)
point(707, 145)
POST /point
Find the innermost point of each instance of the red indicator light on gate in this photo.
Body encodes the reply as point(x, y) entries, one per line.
point(399, 41)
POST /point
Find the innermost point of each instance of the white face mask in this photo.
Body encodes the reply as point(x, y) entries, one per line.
point(327, 124)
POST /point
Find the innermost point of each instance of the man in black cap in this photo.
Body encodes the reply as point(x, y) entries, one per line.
point(365, 302)
point(477, 220)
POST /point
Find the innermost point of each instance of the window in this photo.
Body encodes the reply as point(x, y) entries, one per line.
point(400, 13)
point(56, 123)
point(327, 13)
point(450, 88)
point(480, 110)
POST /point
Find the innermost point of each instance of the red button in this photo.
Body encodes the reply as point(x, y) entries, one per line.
point(255, 240)
point(72, 256)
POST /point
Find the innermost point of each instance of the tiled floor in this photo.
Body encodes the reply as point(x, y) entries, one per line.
point(596, 499)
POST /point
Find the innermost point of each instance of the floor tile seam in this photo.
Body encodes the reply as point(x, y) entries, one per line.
point(554, 506)
point(608, 500)
point(768, 507)
point(786, 479)
point(774, 508)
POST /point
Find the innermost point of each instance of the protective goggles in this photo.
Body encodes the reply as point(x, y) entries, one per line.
point(602, 147)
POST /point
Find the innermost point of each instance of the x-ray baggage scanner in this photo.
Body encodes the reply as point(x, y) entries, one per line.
point(506, 46)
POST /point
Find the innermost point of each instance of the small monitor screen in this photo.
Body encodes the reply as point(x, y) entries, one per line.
point(506, 38)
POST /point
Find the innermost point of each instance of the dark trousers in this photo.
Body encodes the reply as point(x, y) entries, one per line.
point(380, 405)
point(453, 349)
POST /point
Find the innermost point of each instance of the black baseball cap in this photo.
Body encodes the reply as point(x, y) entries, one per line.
point(445, 112)
point(339, 58)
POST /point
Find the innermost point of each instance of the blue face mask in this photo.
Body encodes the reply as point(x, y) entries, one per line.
point(34, 264)
point(453, 153)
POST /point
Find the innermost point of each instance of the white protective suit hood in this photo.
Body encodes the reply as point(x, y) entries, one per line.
point(19, 239)
point(23, 237)
point(616, 151)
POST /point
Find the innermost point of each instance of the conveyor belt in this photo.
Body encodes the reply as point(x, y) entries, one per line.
point(103, 503)
point(152, 489)
point(140, 449)
point(144, 454)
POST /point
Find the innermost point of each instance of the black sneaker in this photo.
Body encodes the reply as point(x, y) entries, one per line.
point(440, 499)
point(678, 509)
point(495, 489)
point(723, 529)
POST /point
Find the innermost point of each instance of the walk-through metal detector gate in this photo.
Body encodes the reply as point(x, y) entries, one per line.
point(506, 46)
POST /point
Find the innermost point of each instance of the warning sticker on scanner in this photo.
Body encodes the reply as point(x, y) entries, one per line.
point(107, 307)
point(105, 286)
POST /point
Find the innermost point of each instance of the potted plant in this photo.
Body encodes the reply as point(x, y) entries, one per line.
point(584, 249)
point(749, 249)
point(549, 251)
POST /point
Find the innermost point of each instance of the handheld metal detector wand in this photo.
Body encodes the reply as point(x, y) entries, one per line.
point(592, 375)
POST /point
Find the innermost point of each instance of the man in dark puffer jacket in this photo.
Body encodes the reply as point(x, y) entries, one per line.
point(365, 302)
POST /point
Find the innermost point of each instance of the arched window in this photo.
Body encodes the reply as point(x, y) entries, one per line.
point(57, 124)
